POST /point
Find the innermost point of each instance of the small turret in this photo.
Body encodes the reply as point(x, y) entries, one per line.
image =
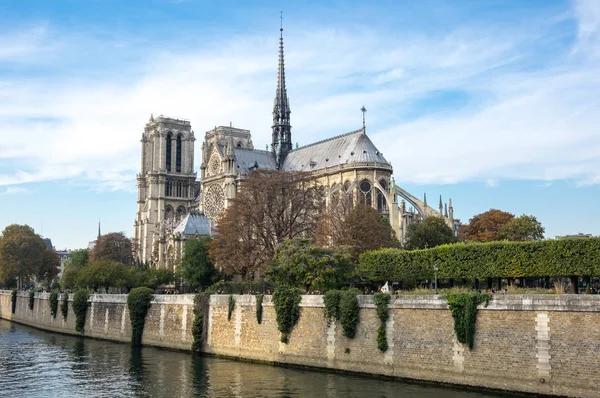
point(425, 198)
point(450, 210)
point(446, 210)
point(441, 207)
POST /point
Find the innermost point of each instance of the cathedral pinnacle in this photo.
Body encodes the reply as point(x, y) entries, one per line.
point(282, 135)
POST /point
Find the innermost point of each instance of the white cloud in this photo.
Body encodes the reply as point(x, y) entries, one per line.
point(518, 121)
point(14, 191)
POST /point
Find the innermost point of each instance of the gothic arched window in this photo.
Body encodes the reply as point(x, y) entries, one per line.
point(180, 213)
point(178, 155)
point(365, 189)
point(381, 202)
point(168, 146)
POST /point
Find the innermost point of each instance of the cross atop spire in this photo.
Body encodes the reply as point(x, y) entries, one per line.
point(282, 134)
point(364, 111)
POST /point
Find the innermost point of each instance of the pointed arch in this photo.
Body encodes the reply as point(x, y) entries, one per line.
point(178, 154)
point(168, 145)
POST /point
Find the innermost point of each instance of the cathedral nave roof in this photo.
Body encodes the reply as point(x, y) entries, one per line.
point(349, 148)
point(249, 158)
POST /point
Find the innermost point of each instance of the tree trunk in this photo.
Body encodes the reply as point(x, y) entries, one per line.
point(451, 282)
point(499, 284)
point(574, 281)
point(490, 282)
point(476, 284)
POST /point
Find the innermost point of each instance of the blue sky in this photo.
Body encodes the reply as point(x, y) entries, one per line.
point(492, 103)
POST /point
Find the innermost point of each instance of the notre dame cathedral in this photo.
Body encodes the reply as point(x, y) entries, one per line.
point(172, 205)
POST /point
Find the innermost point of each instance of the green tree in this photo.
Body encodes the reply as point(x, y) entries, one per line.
point(430, 232)
point(69, 277)
point(298, 263)
point(522, 228)
point(49, 268)
point(114, 246)
point(78, 258)
point(485, 227)
point(102, 273)
point(154, 277)
point(21, 253)
point(196, 266)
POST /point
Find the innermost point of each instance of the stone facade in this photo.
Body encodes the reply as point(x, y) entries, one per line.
point(538, 344)
point(348, 164)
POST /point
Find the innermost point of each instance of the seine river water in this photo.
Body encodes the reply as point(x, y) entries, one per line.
point(34, 363)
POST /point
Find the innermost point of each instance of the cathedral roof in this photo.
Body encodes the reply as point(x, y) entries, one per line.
point(349, 148)
point(193, 223)
point(250, 158)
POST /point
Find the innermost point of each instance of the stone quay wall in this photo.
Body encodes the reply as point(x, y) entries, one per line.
point(544, 344)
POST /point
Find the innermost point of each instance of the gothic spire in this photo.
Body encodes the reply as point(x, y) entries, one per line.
point(99, 234)
point(282, 135)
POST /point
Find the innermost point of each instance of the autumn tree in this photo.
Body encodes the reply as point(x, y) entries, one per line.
point(299, 263)
point(360, 227)
point(21, 253)
point(196, 266)
point(430, 232)
point(270, 207)
point(485, 227)
point(522, 228)
point(114, 246)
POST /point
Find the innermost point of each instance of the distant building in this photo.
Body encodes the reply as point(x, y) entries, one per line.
point(64, 256)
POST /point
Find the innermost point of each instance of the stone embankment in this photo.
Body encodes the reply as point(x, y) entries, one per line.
point(545, 344)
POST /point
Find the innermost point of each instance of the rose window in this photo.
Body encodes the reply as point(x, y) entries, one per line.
point(214, 202)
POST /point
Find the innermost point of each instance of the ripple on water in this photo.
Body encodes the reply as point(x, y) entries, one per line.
point(36, 364)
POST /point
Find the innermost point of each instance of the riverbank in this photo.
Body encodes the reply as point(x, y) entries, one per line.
point(544, 344)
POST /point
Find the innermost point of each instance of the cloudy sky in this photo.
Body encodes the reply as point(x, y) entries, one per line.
point(493, 103)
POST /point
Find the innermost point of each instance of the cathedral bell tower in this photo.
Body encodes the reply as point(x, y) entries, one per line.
point(165, 185)
point(281, 142)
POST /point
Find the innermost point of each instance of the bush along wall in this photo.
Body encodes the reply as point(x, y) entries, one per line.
point(381, 302)
point(464, 311)
point(138, 302)
point(331, 311)
point(287, 307)
point(349, 310)
point(53, 303)
point(230, 307)
point(201, 305)
point(80, 305)
point(342, 305)
point(64, 306)
point(31, 299)
point(259, 308)
point(563, 257)
point(13, 299)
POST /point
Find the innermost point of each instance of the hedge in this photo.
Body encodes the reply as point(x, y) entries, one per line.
point(563, 257)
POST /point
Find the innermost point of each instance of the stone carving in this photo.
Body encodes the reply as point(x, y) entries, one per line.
point(214, 203)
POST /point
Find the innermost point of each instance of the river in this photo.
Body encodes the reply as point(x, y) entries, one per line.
point(34, 363)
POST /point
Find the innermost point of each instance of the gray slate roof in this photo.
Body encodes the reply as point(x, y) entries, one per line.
point(353, 147)
point(245, 158)
point(194, 223)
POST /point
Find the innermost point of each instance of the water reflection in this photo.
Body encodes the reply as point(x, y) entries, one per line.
point(35, 363)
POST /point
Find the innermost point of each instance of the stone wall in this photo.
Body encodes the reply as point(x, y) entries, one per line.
point(546, 344)
point(168, 322)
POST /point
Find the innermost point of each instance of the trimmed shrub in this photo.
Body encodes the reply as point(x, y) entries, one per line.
point(13, 299)
point(259, 308)
point(31, 299)
point(562, 257)
point(201, 304)
point(54, 303)
point(80, 305)
point(64, 306)
point(381, 301)
point(230, 307)
point(138, 302)
point(287, 307)
point(464, 311)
